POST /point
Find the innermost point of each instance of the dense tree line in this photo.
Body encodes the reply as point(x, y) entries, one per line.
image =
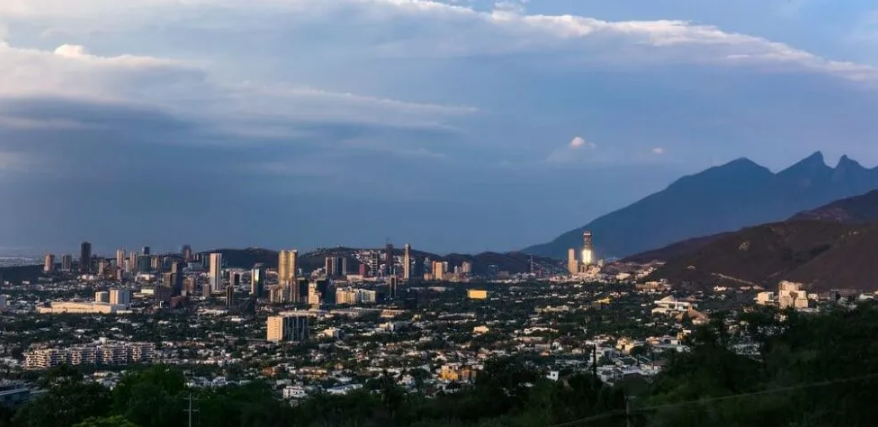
point(803, 370)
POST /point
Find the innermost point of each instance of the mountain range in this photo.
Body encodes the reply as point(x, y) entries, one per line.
point(831, 247)
point(720, 199)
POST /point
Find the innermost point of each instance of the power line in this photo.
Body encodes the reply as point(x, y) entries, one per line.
point(629, 411)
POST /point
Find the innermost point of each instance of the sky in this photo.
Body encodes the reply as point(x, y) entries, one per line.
point(450, 125)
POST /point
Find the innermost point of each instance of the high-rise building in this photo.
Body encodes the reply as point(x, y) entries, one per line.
point(329, 266)
point(66, 262)
point(85, 257)
point(257, 281)
point(344, 267)
point(230, 296)
point(143, 263)
point(388, 259)
point(572, 264)
point(466, 268)
point(120, 258)
point(216, 272)
point(176, 278)
point(587, 249)
point(49, 263)
point(186, 253)
point(120, 297)
point(287, 266)
point(438, 270)
point(407, 263)
point(102, 297)
point(393, 286)
point(132, 262)
point(287, 328)
point(234, 279)
point(103, 268)
point(145, 250)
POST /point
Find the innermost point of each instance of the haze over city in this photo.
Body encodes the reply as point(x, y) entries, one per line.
point(455, 126)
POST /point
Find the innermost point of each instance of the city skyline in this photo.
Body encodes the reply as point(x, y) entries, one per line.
point(444, 124)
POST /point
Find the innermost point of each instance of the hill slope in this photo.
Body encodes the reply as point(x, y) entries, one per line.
point(821, 254)
point(720, 199)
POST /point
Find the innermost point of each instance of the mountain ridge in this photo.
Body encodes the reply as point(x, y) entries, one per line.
point(719, 199)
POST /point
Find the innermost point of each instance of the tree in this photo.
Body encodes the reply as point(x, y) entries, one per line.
point(114, 421)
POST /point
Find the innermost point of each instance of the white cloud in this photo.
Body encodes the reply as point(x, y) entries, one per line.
point(658, 151)
point(440, 29)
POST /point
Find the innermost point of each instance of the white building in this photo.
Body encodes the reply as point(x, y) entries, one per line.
point(216, 272)
point(670, 305)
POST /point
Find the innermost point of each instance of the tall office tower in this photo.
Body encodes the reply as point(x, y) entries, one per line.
point(407, 262)
point(466, 268)
point(287, 328)
point(329, 266)
point(155, 262)
point(234, 279)
point(49, 263)
point(177, 278)
point(132, 262)
point(186, 252)
point(120, 297)
point(145, 250)
point(438, 270)
point(216, 272)
point(587, 249)
point(257, 280)
point(388, 259)
point(120, 258)
point(103, 268)
point(85, 257)
point(375, 264)
point(230, 296)
point(287, 266)
point(392, 288)
point(66, 262)
point(419, 267)
point(299, 291)
point(143, 263)
point(344, 267)
point(572, 264)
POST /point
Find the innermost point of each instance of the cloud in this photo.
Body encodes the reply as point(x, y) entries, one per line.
point(658, 151)
point(214, 104)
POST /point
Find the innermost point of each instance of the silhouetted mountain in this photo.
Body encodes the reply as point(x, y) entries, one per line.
point(720, 199)
point(853, 210)
point(513, 262)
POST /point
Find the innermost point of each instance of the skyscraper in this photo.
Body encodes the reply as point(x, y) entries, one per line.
point(230, 296)
point(176, 278)
point(216, 272)
point(329, 266)
point(120, 258)
point(186, 252)
point(257, 281)
point(49, 263)
point(85, 257)
point(145, 250)
point(66, 262)
point(587, 249)
point(132, 262)
point(407, 262)
point(287, 266)
point(572, 264)
point(388, 259)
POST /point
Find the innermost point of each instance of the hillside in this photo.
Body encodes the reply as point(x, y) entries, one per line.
point(822, 254)
point(853, 210)
point(720, 199)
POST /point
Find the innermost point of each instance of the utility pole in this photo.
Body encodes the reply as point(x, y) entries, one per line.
point(191, 410)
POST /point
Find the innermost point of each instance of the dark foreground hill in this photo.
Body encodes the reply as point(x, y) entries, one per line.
point(823, 255)
point(720, 199)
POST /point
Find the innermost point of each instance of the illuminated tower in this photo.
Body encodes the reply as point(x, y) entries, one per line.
point(216, 272)
point(587, 249)
point(407, 262)
point(287, 266)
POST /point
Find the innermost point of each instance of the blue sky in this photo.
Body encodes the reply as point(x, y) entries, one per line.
point(454, 126)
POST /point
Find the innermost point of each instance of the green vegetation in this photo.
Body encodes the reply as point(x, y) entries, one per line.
point(802, 370)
